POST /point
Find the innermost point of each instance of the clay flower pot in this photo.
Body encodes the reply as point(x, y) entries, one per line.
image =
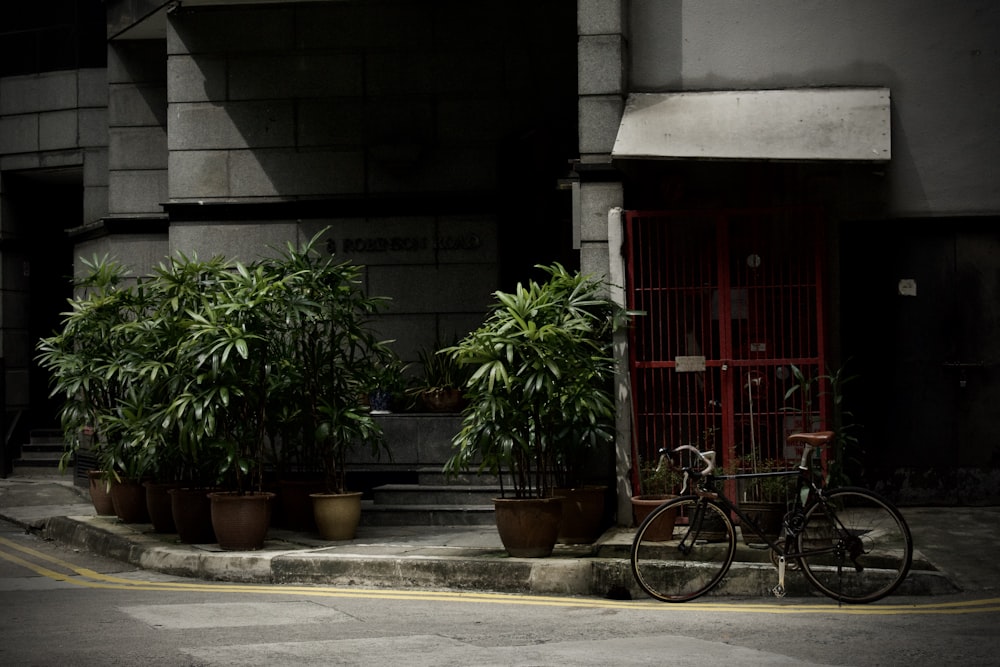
point(337, 514)
point(582, 514)
point(192, 514)
point(642, 506)
point(528, 527)
point(99, 493)
point(129, 498)
point(240, 521)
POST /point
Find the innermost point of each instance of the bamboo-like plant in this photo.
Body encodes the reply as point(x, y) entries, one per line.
point(148, 362)
point(327, 356)
point(442, 379)
point(845, 451)
point(85, 360)
point(540, 389)
point(215, 370)
point(272, 365)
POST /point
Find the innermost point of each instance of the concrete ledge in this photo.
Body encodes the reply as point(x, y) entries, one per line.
point(504, 575)
point(571, 571)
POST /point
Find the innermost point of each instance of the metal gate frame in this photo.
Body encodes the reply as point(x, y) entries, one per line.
point(733, 319)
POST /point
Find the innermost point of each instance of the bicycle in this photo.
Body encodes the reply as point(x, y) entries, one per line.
point(850, 543)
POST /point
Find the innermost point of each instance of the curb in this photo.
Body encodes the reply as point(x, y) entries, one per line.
point(488, 570)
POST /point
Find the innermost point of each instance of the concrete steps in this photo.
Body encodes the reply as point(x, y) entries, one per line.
point(421, 444)
point(373, 514)
point(431, 505)
point(41, 454)
point(445, 494)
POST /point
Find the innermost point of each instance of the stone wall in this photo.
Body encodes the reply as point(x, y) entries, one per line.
point(405, 127)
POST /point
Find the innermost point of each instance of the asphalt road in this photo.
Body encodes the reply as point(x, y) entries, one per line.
point(60, 606)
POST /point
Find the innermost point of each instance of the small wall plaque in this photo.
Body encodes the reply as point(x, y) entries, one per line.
point(690, 364)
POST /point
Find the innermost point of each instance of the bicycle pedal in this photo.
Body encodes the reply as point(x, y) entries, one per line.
point(778, 591)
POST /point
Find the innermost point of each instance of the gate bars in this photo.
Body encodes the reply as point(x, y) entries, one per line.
point(733, 319)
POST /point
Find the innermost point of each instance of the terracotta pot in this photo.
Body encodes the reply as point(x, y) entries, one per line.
point(240, 522)
point(158, 506)
point(582, 514)
point(528, 527)
point(129, 498)
point(99, 493)
point(337, 514)
point(192, 514)
point(642, 506)
point(442, 400)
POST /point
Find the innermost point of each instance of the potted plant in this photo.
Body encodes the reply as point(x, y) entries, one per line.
point(86, 362)
point(185, 467)
point(541, 370)
point(282, 349)
point(326, 356)
point(353, 358)
point(209, 372)
point(584, 510)
point(386, 386)
point(440, 385)
point(658, 482)
point(843, 457)
point(765, 499)
point(219, 371)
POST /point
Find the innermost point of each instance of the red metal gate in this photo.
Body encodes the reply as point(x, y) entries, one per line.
point(732, 305)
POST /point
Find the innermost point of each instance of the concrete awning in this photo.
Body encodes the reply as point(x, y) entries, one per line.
point(797, 124)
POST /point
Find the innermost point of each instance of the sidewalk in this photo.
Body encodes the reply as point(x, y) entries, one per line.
point(954, 553)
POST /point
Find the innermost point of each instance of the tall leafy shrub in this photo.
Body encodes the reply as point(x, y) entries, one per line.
point(540, 393)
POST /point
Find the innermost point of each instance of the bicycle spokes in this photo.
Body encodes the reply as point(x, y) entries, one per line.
point(855, 546)
point(691, 557)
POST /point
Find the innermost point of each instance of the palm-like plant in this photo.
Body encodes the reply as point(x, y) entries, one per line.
point(210, 370)
point(540, 390)
point(86, 360)
point(327, 357)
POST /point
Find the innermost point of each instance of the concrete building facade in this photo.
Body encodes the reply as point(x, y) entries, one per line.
point(911, 229)
point(427, 137)
point(450, 146)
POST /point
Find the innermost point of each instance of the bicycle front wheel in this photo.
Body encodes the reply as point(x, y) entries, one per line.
point(856, 546)
point(683, 549)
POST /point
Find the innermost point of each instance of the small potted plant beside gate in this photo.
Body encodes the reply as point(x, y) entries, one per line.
point(659, 481)
point(765, 499)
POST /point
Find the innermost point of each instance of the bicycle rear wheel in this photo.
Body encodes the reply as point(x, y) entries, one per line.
point(863, 543)
point(683, 549)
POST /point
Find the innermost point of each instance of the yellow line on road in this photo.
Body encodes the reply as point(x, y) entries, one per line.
point(88, 578)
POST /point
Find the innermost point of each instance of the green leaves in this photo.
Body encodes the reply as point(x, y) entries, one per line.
point(205, 364)
point(540, 392)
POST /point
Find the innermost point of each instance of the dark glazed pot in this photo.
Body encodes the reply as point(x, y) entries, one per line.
point(192, 514)
point(528, 527)
point(241, 521)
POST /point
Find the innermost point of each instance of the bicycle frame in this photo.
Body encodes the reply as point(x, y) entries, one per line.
point(705, 488)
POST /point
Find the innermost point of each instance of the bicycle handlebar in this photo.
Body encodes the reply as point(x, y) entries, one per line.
point(707, 457)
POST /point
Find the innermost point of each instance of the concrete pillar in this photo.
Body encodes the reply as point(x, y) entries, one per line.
point(602, 85)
